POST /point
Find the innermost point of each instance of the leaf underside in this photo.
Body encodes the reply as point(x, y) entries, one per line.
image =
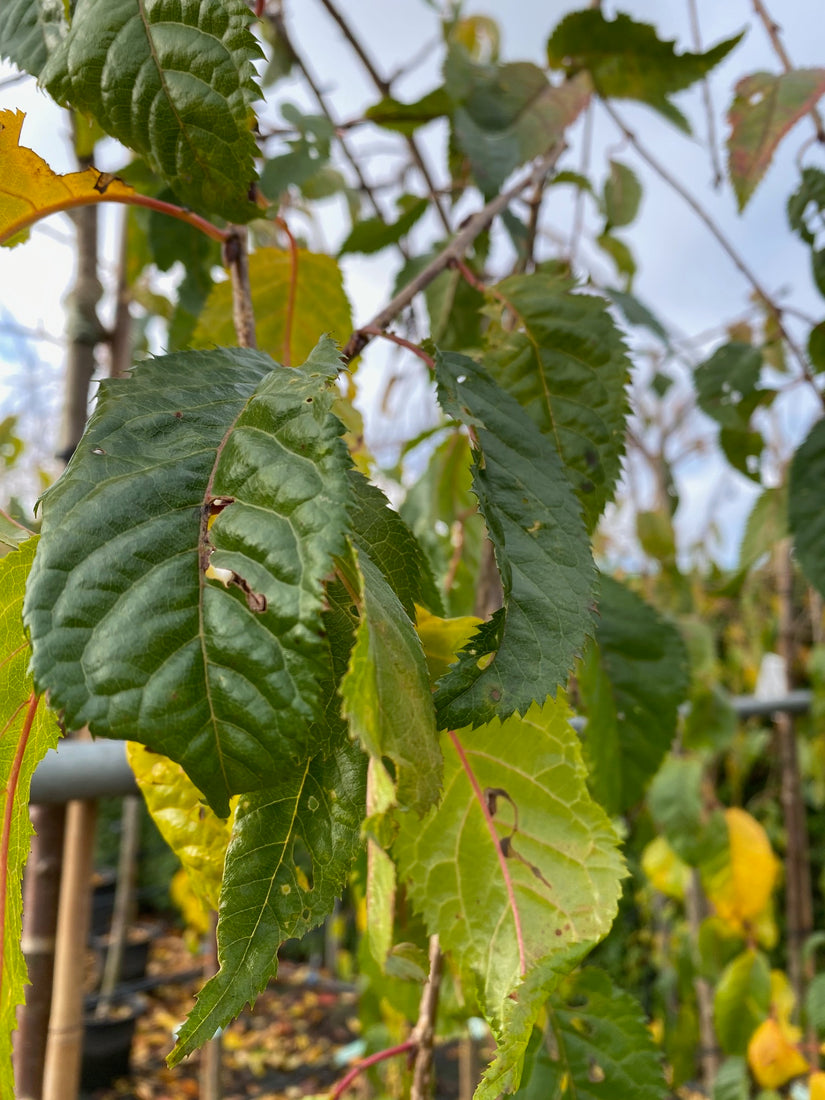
point(199, 461)
point(542, 551)
point(30, 30)
point(173, 81)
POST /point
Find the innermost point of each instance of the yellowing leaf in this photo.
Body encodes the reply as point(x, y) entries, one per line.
point(667, 873)
point(783, 1003)
point(196, 835)
point(443, 638)
point(816, 1086)
point(740, 890)
point(194, 912)
point(772, 1058)
point(29, 189)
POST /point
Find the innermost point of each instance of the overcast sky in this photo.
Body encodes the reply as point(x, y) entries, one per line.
point(683, 274)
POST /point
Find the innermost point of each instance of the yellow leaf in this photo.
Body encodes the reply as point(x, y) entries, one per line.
point(816, 1086)
point(194, 833)
point(740, 891)
point(666, 872)
point(29, 189)
point(773, 1060)
point(783, 1003)
point(191, 907)
point(441, 639)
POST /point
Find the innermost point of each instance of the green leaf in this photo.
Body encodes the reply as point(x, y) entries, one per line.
point(627, 60)
point(321, 305)
point(565, 364)
point(406, 118)
point(764, 108)
point(596, 1044)
point(619, 253)
point(372, 234)
point(381, 532)
point(635, 312)
point(506, 114)
point(632, 680)
point(133, 634)
point(766, 526)
point(742, 1000)
point(806, 505)
point(622, 195)
point(27, 734)
point(314, 811)
point(386, 694)
point(524, 779)
point(307, 155)
point(816, 347)
point(30, 30)
point(726, 385)
point(815, 1004)
point(175, 84)
point(12, 534)
point(677, 806)
point(732, 1081)
point(541, 548)
point(806, 208)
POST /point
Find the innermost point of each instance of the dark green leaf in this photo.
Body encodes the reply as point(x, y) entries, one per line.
point(726, 385)
point(542, 552)
point(627, 60)
point(384, 536)
point(816, 347)
point(405, 118)
point(632, 680)
point(30, 30)
point(174, 84)
point(565, 364)
point(622, 195)
point(373, 234)
point(806, 505)
point(307, 155)
point(806, 208)
point(619, 253)
point(635, 312)
point(764, 108)
point(596, 1045)
point(743, 450)
point(130, 634)
point(267, 896)
point(742, 1000)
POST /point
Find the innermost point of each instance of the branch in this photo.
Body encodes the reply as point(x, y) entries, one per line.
point(236, 260)
point(365, 1063)
point(772, 29)
point(727, 247)
point(424, 1030)
point(383, 87)
point(370, 330)
point(455, 250)
point(718, 174)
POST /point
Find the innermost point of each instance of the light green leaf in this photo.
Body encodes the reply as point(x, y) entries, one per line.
point(619, 253)
point(764, 108)
point(542, 551)
point(565, 364)
point(386, 693)
point(676, 804)
point(815, 1004)
point(12, 534)
point(321, 305)
point(806, 505)
point(732, 1081)
point(622, 195)
point(406, 118)
point(632, 680)
point(766, 526)
point(30, 30)
point(133, 633)
point(627, 60)
point(372, 234)
point(26, 734)
point(742, 1000)
point(596, 1044)
point(313, 811)
point(175, 84)
point(515, 798)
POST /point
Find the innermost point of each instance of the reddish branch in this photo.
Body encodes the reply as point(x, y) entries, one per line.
point(502, 862)
point(365, 1063)
point(371, 330)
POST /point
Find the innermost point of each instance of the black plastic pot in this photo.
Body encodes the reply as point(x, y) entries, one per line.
point(135, 951)
point(107, 1043)
point(103, 901)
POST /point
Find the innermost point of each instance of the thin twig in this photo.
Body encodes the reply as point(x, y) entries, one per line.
point(370, 330)
point(384, 88)
point(236, 260)
point(424, 1030)
point(365, 1063)
point(772, 30)
point(718, 174)
point(502, 862)
point(455, 250)
point(727, 247)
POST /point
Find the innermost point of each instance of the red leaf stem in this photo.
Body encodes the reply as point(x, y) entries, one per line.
point(365, 1063)
point(373, 330)
point(505, 870)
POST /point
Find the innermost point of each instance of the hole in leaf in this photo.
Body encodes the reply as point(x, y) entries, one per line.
point(98, 451)
point(595, 1073)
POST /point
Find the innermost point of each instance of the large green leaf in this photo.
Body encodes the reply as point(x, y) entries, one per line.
point(565, 364)
point(133, 632)
point(515, 798)
point(632, 680)
point(541, 548)
point(806, 207)
point(742, 1000)
point(806, 505)
point(727, 384)
point(269, 894)
point(764, 108)
point(596, 1045)
point(30, 30)
point(627, 60)
point(622, 195)
point(320, 305)
point(174, 82)
point(25, 736)
point(387, 697)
